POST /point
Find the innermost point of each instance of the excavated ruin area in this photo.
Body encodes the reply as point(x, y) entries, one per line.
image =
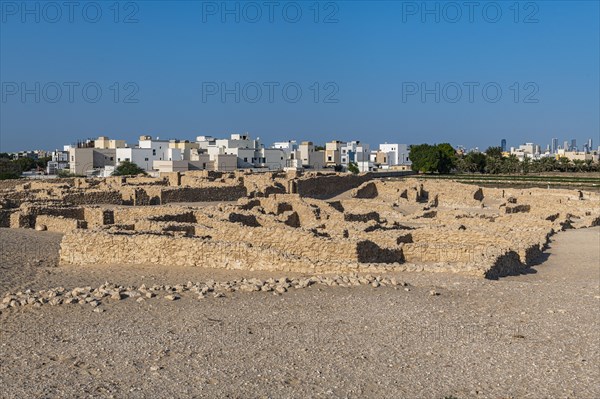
point(310, 223)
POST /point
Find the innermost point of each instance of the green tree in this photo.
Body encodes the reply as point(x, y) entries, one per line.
point(25, 164)
point(127, 168)
point(511, 164)
point(475, 162)
point(353, 168)
point(446, 158)
point(422, 157)
point(43, 162)
point(564, 164)
point(526, 165)
point(9, 170)
point(579, 165)
point(494, 165)
point(440, 158)
point(494, 152)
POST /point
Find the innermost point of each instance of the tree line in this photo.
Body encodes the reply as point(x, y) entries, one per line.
point(443, 159)
point(13, 168)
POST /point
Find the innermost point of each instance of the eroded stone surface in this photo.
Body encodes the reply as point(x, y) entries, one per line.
point(248, 221)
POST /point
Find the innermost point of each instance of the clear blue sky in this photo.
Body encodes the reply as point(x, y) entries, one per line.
point(370, 60)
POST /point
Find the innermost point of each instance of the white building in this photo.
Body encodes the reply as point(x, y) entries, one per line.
point(289, 147)
point(397, 154)
point(358, 153)
point(527, 150)
point(160, 148)
point(250, 153)
point(142, 157)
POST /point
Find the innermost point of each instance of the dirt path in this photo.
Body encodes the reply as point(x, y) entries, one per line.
point(530, 336)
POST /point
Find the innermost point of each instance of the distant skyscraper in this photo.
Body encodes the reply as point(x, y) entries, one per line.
point(503, 145)
point(590, 144)
point(566, 146)
point(554, 145)
point(573, 145)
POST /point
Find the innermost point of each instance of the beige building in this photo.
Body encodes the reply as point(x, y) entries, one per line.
point(83, 161)
point(381, 158)
point(309, 157)
point(582, 156)
point(184, 146)
point(105, 143)
point(225, 162)
point(333, 153)
point(220, 162)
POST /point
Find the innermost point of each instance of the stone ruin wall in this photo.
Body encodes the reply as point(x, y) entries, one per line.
point(403, 225)
point(84, 247)
point(59, 224)
point(321, 186)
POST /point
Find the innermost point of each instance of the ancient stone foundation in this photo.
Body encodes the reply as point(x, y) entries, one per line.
point(312, 223)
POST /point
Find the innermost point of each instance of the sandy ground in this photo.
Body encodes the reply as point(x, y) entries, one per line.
point(530, 336)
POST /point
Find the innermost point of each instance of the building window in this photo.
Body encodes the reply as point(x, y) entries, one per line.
point(245, 159)
point(154, 152)
point(146, 159)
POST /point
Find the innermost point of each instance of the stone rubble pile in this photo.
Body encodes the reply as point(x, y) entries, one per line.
point(109, 292)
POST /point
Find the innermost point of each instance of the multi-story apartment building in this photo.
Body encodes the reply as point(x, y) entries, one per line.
point(333, 152)
point(397, 154)
point(310, 158)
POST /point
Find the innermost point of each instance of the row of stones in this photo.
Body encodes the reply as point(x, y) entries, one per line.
point(94, 297)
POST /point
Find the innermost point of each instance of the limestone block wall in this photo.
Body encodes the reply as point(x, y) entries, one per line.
point(73, 212)
point(92, 197)
point(5, 215)
point(19, 220)
point(286, 239)
point(86, 247)
point(131, 214)
point(59, 224)
point(202, 194)
point(366, 190)
point(11, 184)
point(324, 186)
point(97, 216)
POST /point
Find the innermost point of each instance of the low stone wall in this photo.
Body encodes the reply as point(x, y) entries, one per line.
point(5, 217)
point(53, 210)
point(299, 242)
point(130, 215)
point(96, 216)
point(92, 197)
point(202, 194)
point(98, 247)
point(366, 190)
point(329, 185)
point(19, 220)
point(59, 224)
